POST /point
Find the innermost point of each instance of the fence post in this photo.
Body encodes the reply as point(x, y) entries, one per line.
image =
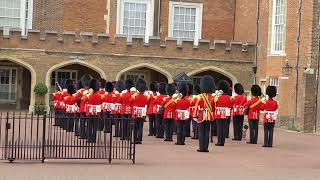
point(6, 136)
point(134, 138)
point(110, 144)
point(44, 136)
point(11, 159)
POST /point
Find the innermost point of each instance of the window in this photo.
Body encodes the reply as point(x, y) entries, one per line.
point(61, 76)
point(278, 24)
point(185, 20)
point(274, 81)
point(135, 17)
point(8, 84)
point(133, 76)
point(16, 13)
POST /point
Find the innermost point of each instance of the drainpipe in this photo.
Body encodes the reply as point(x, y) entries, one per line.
point(255, 67)
point(234, 19)
point(317, 80)
point(297, 59)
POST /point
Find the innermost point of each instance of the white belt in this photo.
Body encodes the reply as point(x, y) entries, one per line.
point(238, 109)
point(72, 108)
point(183, 114)
point(223, 112)
point(108, 106)
point(271, 116)
point(140, 112)
point(93, 109)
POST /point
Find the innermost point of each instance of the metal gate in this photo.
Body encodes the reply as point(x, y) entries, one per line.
point(25, 136)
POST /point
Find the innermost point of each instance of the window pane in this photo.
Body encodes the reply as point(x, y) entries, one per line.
point(2, 3)
point(2, 12)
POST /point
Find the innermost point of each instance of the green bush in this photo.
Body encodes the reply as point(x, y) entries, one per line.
point(40, 108)
point(40, 89)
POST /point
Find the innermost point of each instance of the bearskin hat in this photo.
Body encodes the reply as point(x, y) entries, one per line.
point(109, 87)
point(224, 86)
point(271, 91)
point(190, 89)
point(153, 86)
point(141, 85)
point(171, 89)
point(79, 85)
point(71, 89)
point(94, 85)
point(255, 90)
point(196, 90)
point(238, 88)
point(102, 82)
point(207, 84)
point(68, 82)
point(85, 80)
point(119, 86)
point(129, 84)
point(162, 88)
point(183, 89)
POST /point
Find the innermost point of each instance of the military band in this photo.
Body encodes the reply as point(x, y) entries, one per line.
point(205, 110)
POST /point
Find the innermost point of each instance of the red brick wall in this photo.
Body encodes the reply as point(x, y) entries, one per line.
point(84, 15)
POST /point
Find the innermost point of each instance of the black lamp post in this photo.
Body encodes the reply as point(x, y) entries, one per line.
point(286, 69)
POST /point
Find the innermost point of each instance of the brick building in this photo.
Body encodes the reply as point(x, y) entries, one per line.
point(49, 41)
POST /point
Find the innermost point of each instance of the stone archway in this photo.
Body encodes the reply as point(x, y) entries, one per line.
point(147, 71)
point(216, 72)
point(25, 79)
point(71, 70)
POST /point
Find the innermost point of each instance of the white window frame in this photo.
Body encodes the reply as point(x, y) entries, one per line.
point(23, 16)
point(275, 81)
point(65, 71)
point(149, 16)
point(273, 51)
point(199, 9)
point(10, 84)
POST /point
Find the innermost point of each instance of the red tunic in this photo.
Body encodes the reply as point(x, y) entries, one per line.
point(254, 113)
point(170, 109)
point(140, 103)
point(108, 102)
point(126, 103)
point(223, 107)
point(70, 102)
point(202, 112)
point(193, 101)
point(102, 92)
point(270, 114)
point(152, 98)
point(157, 103)
point(94, 106)
point(238, 104)
point(57, 98)
point(182, 109)
point(83, 100)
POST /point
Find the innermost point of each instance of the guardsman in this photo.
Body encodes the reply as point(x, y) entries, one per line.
point(108, 106)
point(238, 101)
point(102, 91)
point(57, 98)
point(151, 114)
point(254, 107)
point(204, 112)
point(157, 110)
point(63, 117)
point(126, 109)
point(169, 106)
point(222, 113)
point(182, 114)
point(71, 109)
point(93, 110)
point(80, 125)
point(196, 92)
point(140, 104)
point(270, 108)
point(188, 122)
point(119, 87)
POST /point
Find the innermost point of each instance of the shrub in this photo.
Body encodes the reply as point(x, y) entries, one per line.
point(40, 108)
point(40, 89)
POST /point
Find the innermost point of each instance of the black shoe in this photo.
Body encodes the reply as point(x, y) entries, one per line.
point(219, 144)
point(249, 143)
point(264, 146)
point(199, 150)
point(234, 139)
point(166, 140)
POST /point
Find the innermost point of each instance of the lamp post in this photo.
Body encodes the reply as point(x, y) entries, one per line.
point(287, 68)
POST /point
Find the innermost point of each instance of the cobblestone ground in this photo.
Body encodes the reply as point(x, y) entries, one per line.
point(295, 156)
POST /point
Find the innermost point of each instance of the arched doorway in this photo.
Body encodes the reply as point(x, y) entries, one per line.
point(146, 71)
point(73, 70)
point(15, 86)
point(217, 73)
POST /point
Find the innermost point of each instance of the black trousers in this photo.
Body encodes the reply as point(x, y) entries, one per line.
point(181, 131)
point(56, 117)
point(116, 122)
point(253, 128)
point(82, 128)
point(159, 126)
point(138, 131)
point(227, 128)
point(195, 130)
point(107, 118)
point(169, 125)
point(188, 126)
point(69, 123)
point(152, 124)
point(238, 126)
point(268, 134)
point(213, 128)
point(124, 126)
point(92, 127)
point(204, 130)
point(222, 126)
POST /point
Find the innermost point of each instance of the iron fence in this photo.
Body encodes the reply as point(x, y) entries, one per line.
point(25, 136)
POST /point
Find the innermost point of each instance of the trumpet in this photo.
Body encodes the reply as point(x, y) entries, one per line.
point(177, 96)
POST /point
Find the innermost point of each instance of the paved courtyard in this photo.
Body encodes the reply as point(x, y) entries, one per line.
point(295, 156)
